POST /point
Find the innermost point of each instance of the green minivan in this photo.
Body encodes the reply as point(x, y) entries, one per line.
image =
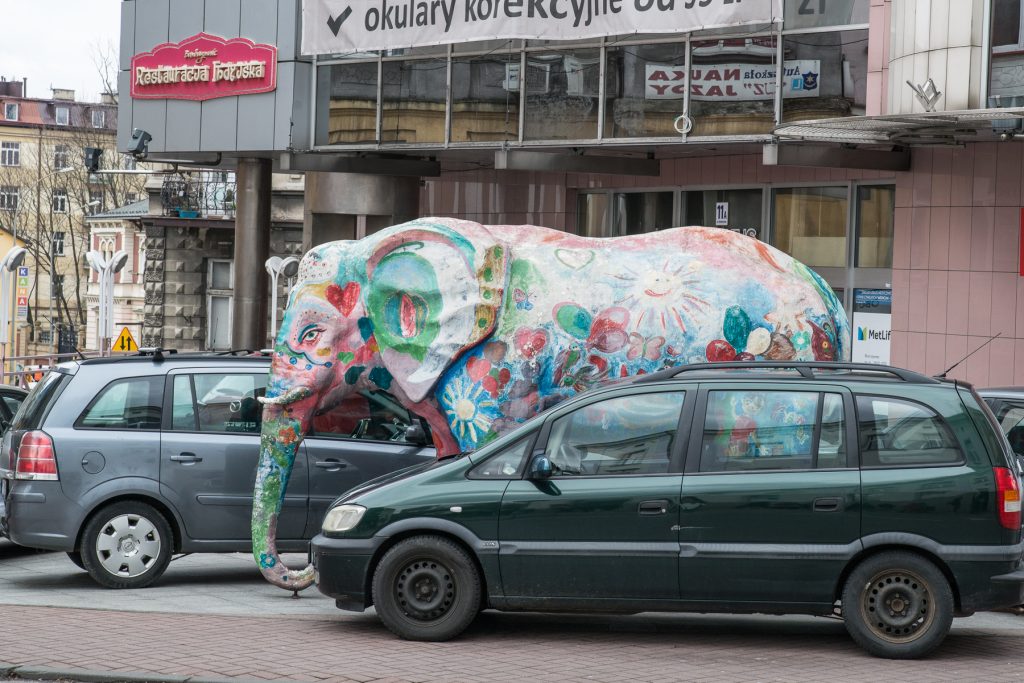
point(876, 493)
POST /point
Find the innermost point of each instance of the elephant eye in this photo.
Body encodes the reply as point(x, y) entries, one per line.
point(310, 334)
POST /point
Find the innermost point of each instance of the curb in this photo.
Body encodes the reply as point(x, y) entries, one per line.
point(15, 672)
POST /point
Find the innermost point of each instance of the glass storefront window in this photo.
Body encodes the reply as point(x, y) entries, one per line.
point(825, 75)
point(640, 212)
point(351, 115)
point(607, 214)
point(732, 86)
point(810, 224)
point(742, 210)
point(485, 98)
point(875, 211)
point(644, 89)
point(818, 13)
point(562, 91)
point(592, 214)
point(414, 101)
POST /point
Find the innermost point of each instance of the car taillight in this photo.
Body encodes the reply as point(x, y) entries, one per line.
point(1007, 498)
point(36, 459)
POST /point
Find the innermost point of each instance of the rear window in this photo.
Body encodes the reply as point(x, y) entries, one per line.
point(30, 414)
point(896, 432)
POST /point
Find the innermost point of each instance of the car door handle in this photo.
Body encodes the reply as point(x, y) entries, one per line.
point(186, 457)
point(828, 504)
point(653, 507)
point(331, 465)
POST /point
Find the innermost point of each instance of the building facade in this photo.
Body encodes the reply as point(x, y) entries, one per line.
point(46, 193)
point(875, 140)
point(186, 241)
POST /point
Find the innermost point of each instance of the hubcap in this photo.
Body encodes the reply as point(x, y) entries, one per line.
point(128, 546)
point(425, 590)
point(896, 606)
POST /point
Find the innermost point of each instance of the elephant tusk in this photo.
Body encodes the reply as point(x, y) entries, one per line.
point(291, 396)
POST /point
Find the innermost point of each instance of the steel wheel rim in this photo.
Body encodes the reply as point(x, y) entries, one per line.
point(896, 605)
point(425, 590)
point(128, 546)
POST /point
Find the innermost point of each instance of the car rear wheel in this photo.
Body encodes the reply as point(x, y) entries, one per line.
point(426, 588)
point(126, 545)
point(897, 605)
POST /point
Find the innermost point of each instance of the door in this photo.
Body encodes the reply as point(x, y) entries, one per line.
point(770, 508)
point(209, 451)
point(360, 439)
point(602, 527)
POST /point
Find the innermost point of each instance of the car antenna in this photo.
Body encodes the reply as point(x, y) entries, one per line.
point(950, 368)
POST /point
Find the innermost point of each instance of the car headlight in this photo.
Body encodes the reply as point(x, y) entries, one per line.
point(343, 518)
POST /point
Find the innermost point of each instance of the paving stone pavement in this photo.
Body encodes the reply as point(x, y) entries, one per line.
point(163, 634)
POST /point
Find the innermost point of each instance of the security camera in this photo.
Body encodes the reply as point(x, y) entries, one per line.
point(139, 144)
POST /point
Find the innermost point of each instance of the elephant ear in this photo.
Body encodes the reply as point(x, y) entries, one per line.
point(434, 290)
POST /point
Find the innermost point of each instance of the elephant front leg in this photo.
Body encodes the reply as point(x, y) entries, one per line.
point(441, 431)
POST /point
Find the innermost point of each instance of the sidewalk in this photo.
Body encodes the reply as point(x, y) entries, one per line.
point(137, 636)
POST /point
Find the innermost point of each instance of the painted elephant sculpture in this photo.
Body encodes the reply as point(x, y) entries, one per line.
point(477, 328)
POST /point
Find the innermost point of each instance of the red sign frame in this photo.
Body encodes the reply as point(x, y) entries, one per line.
point(204, 67)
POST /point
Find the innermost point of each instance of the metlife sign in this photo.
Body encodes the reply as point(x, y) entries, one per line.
point(872, 325)
point(337, 26)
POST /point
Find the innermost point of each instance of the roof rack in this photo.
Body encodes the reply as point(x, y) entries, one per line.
point(156, 352)
point(805, 368)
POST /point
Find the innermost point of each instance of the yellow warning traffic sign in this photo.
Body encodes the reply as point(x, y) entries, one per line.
point(124, 342)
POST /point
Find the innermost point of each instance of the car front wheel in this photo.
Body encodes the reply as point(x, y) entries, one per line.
point(426, 588)
point(126, 545)
point(897, 605)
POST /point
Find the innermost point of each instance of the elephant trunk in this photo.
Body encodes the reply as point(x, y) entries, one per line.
point(283, 429)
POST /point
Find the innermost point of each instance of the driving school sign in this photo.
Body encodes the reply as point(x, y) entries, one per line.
point(332, 26)
point(736, 82)
point(204, 67)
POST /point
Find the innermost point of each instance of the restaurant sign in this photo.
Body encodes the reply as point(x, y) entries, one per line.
point(204, 67)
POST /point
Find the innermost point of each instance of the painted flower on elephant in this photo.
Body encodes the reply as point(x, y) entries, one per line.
point(469, 411)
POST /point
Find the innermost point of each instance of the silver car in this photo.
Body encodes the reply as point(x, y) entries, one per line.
point(123, 462)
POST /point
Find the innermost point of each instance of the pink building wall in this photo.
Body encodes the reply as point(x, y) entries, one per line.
point(955, 263)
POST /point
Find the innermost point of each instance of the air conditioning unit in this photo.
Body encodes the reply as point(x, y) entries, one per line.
point(1010, 126)
point(538, 77)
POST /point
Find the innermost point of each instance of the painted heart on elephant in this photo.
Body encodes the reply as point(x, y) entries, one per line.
point(478, 328)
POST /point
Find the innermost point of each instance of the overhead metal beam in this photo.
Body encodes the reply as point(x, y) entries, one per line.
point(526, 160)
point(372, 165)
point(836, 157)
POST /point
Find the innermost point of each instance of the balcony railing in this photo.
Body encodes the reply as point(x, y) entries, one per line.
point(200, 194)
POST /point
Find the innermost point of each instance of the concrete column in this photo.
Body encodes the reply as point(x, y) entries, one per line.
point(252, 248)
point(346, 206)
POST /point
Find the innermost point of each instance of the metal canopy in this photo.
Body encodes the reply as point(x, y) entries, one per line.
point(930, 128)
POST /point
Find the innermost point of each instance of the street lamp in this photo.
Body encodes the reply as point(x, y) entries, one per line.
point(278, 266)
point(14, 258)
point(106, 269)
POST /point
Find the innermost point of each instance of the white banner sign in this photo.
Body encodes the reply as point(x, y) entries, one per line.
point(337, 26)
point(800, 78)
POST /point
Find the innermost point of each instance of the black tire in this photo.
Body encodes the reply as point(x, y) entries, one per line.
point(76, 559)
point(426, 588)
point(897, 605)
point(126, 545)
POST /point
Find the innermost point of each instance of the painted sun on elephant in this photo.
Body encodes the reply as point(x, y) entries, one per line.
point(478, 328)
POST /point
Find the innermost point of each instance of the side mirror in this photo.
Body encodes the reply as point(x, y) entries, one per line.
point(540, 468)
point(415, 434)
